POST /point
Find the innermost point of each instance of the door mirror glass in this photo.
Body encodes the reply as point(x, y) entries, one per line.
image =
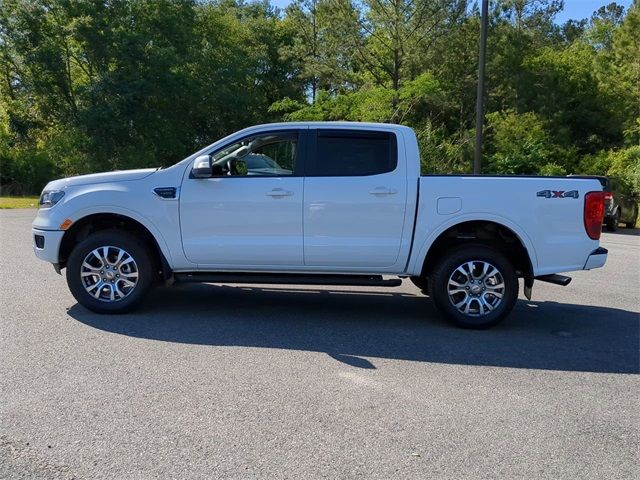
point(202, 167)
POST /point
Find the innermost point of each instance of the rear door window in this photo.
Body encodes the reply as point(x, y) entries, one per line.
point(344, 153)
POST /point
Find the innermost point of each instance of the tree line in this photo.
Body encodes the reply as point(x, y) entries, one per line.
point(93, 85)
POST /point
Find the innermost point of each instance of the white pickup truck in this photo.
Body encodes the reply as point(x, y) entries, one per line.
point(319, 203)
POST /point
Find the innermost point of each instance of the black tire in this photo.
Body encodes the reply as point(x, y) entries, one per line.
point(631, 223)
point(439, 282)
point(612, 223)
point(421, 282)
point(146, 270)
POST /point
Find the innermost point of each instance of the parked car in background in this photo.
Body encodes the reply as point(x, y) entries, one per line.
point(621, 205)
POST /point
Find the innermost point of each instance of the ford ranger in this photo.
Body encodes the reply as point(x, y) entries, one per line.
point(331, 203)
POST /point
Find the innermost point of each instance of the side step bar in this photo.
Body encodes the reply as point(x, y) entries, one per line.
point(289, 279)
point(555, 279)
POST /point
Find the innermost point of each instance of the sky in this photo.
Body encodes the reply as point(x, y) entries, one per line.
point(579, 9)
point(573, 9)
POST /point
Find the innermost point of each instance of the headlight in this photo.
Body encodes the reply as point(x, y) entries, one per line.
point(50, 197)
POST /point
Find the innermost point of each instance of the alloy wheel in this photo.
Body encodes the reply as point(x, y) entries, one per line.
point(476, 288)
point(109, 273)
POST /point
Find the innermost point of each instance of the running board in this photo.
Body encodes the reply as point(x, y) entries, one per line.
point(289, 279)
point(555, 279)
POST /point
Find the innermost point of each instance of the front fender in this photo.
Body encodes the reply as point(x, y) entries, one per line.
point(144, 221)
point(128, 199)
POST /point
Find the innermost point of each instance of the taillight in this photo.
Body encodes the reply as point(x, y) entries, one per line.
point(594, 213)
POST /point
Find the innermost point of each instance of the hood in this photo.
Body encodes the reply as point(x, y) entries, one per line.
point(106, 177)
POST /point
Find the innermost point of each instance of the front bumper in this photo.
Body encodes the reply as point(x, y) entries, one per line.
point(597, 258)
point(46, 244)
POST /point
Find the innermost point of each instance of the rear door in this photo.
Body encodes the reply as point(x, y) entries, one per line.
point(355, 198)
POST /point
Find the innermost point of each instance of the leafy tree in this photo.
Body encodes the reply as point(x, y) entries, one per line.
point(604, 22)
point(520, 142)
point(624, 78)
point(317, 50)
point(92, 85)
point(390, 34)
point(623, 164)
point(566, 91)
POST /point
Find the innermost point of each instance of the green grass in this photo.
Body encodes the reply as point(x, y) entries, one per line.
point(18, 202)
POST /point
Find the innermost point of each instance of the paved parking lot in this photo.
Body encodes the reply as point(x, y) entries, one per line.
point(215, 381)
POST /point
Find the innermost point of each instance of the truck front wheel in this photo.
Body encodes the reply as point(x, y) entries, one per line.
point(474, 287)
point(110, 271)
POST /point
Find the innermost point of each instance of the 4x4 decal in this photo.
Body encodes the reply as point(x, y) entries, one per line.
point(558, 194)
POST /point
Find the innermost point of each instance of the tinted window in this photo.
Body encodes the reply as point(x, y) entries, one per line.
point(353, 153)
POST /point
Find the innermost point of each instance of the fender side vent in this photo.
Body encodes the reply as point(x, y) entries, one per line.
point(166, 192)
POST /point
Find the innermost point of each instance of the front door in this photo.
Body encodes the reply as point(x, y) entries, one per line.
point(249, 213)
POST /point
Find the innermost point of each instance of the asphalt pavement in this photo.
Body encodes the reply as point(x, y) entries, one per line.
point(223, 381)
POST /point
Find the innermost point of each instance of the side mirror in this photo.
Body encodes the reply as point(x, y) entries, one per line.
point(202, 167)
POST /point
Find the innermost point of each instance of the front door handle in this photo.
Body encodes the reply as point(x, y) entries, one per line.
point(383, 191)
point(280, 192)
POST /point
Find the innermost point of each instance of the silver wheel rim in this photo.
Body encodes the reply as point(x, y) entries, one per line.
point(476, 288)
point(109, 274)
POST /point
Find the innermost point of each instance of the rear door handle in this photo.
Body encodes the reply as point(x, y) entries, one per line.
point(280, 192)
point(383, 191)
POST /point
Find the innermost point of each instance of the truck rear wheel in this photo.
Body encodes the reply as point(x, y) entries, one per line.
point(110, 272)
point(474, 287)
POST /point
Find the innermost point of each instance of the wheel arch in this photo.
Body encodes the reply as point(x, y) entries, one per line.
point(494, 233)
point(92, 222)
